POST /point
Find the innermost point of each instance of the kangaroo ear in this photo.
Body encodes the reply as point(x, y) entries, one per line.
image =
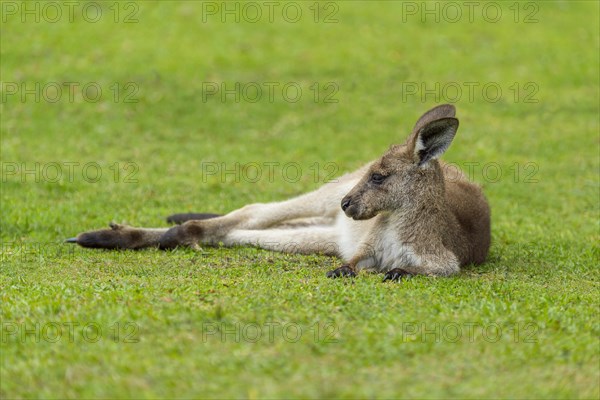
point(433, 139)
point(439, 112)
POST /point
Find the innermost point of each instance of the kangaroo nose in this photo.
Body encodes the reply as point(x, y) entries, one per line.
point(345, 203)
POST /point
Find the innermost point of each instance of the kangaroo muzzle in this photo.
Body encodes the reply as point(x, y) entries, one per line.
point(345, 203)
point(351, 208)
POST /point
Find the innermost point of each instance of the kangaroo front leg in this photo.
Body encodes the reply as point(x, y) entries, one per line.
point(438, 263)
point(441, 263)
point(362, 259)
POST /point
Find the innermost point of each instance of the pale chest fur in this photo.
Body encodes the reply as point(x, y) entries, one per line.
point(384, 242)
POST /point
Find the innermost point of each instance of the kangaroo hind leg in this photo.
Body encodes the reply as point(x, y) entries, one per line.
point(303, 240)
point(181, 218)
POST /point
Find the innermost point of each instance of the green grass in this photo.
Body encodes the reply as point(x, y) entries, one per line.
point(181, 324)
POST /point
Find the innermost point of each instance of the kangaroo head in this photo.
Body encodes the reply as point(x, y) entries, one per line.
point(408, 173)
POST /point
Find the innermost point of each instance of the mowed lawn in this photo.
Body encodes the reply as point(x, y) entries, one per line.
point(131, 111)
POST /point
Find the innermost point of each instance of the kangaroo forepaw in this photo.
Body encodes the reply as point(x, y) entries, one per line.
point(117, 237)
point(187, 234)
point(342, 272)
point(396, 274)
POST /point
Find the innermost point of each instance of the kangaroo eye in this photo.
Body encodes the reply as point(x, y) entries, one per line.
point(377, 178)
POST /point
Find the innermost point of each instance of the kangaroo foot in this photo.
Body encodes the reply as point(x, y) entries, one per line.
point(117, 237)
point(343, 271)
point(396, 274)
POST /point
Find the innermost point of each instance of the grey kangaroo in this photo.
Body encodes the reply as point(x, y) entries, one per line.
point(403, 214)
